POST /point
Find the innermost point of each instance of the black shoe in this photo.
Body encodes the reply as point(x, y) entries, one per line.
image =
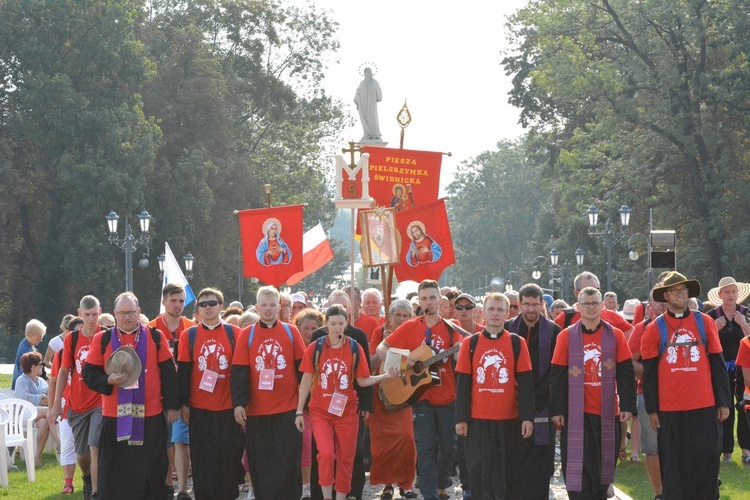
point(387, 493)
point(86, 487)
point(407, 494)
point(95, 496)
point(183, 496)
point(170, 492)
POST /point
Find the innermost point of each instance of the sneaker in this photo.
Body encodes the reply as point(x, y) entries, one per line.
point(305, 492)
point(95, 496)
point(86, 487)
point(250, 494)
point(727, 459)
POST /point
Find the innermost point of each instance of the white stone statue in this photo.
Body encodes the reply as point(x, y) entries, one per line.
point(367, 98)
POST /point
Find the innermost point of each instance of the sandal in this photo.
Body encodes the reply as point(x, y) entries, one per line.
point(746, 459)
point(245, 487)
point(387, 493)
point(623, 454)
point(67, 490)
point(636, 459)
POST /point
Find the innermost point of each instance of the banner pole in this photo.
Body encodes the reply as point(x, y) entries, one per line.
point(351, 252)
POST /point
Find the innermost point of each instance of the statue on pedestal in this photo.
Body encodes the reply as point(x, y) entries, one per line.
point(367, 98)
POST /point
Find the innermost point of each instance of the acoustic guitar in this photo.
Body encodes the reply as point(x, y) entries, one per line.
point(406, 390)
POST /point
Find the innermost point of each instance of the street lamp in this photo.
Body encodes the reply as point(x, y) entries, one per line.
point(562, 274)
point(130, 243)
point(189, 259)
point(536, 273)
point(609, 235)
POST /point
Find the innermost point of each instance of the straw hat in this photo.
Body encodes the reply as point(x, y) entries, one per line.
point(124, 360)
point(673, 279)
point(743, 290)
point(629, 308)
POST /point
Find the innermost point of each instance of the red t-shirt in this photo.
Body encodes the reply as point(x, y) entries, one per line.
point(335, 375)
point(743, 360)
point(634, 344)
point(212, 351)
point(611, 317)
point(55, 372)
point(410, 335)
point(161, 325)
point(494, 389)
point(684, 374)
point(151, 367)
point(271, 349)
point(592, 365)
point(81, 398)
point(367, 324)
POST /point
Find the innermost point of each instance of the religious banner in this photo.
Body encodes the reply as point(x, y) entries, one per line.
point(392, 169)
point(427, 247)
point(271, 243)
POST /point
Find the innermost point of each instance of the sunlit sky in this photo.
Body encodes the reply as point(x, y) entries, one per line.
point(442, 58)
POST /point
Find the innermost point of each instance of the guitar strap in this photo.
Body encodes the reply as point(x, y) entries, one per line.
point(451, 328)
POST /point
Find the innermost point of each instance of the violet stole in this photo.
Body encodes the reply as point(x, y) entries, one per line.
point(574, 470)
point(131, 403)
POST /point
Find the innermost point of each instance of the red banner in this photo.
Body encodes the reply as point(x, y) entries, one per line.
point(392, 169)
point(426, 243)
point(271, 243)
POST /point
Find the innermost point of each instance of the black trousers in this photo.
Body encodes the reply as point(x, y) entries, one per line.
point(126, 471)
point(216, 447)
point(491, 457)
point(743, 430)
point(538, 465)
point(687, 453)
point(274, 452)
point(592, 489)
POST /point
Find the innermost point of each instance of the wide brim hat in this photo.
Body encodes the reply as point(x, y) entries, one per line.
point(743, 290)
point(629, 308)
point(673, 279)
point(124, 360)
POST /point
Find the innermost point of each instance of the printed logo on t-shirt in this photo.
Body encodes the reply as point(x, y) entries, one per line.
point(213, 356)
point(270, 356)
point(592, 364)
point(686, 353)
point(334, 374)
point(492, 371)
point(83, 353)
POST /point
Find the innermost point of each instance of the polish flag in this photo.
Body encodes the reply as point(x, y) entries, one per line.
point(316, 252)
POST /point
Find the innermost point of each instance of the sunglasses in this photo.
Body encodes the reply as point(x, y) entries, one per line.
point(208, 303)
point(467, 307)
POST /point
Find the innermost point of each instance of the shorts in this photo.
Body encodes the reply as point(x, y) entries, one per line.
point(180, 432)
point(648, 435)
point(86, 427)
point(67, 443)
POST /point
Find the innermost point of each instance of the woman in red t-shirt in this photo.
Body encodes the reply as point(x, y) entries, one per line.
point(333, 403)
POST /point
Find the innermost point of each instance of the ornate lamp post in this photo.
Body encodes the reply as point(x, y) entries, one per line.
point(609, 235)
point(563, 274)
point(189, 259)
point(130, 243)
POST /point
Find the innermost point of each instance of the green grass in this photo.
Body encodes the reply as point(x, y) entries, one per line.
point(631, 478)
point(49, 479)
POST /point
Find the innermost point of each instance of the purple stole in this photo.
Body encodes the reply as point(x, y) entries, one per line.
point(131, 403)
point(541, 418)
point(574, 470)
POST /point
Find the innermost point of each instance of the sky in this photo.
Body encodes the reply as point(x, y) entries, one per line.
point(443, 58)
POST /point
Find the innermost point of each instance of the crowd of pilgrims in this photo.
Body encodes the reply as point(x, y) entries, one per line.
point(281, 400)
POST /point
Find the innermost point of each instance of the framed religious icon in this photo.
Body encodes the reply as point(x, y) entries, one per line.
point(381, 243)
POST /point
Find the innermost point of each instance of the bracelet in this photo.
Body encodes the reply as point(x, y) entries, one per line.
point(299, 414)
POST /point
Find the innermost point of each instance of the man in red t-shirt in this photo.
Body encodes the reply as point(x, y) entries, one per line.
point(570, 316)
point(591, 370)
point(265, 374)
point(133, 454)
point(434, 413)
point(366, 323)
point(494, 402)
point(204, 392)
point(172, 323)
point(84, 405)
point(686, 390)
point(463, 308)
point(372, 302)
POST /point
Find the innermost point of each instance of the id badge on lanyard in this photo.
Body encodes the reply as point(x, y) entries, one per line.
point(265, 381)
point(208, 381)
point(338, 404)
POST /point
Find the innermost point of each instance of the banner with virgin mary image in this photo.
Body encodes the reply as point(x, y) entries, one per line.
point(426, 243)
point(271, 243)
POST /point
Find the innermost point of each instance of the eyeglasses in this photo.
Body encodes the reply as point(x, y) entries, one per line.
point(125, 314)
point(589, 304)
point(208, 303)
point(467, 307)
point(678, 291)
point(538, 304)
point(513, 306)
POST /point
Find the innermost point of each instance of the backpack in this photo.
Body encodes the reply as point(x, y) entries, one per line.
point(252, 334)
point(569, 313)
point(319, 348)
point(663, 334)
point(107, 336)
point(515, 341)
point(193, 332)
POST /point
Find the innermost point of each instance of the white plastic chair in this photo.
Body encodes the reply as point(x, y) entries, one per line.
point(22, 415)
point(4, 420)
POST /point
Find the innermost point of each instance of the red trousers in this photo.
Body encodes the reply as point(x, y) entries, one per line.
point(336, 439)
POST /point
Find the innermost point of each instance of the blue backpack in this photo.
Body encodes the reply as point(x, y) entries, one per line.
point(193, 331)
point(664, 334)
